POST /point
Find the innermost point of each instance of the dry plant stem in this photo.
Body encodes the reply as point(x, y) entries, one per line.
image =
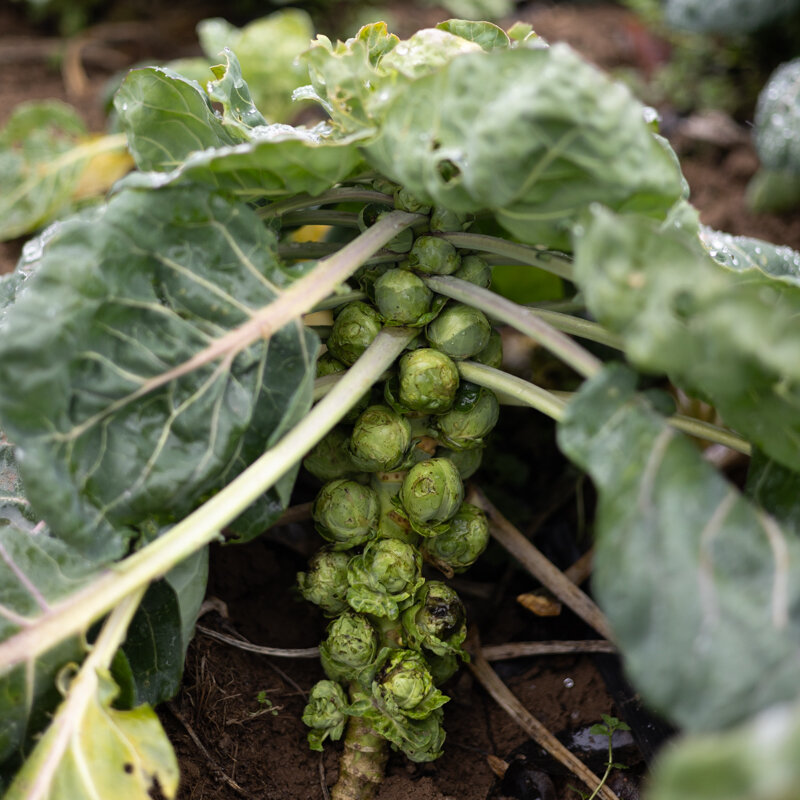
point(298, 513)
point(73, 615)
point(519, 317)
point(502, 652)
point(540, 567)
point(581, 569)
point(243, 644)
point(362, 763)
point(481, 669)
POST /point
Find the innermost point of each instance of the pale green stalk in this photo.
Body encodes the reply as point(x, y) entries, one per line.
point(548, 260)
point(519, 317)
point(577, 326)
point(344, 195)
point(73, 615)
point(516, 389)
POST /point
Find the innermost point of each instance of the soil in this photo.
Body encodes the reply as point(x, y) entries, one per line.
point(236, 723)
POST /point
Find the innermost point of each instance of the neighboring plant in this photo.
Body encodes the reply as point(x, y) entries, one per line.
point(158, 386)
point(605, 728)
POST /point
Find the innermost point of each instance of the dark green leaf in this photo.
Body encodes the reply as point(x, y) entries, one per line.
point(534, 135)
point(701, 587)
point(729, 335)
point(778, 118)
point(776, 489)
point(726, 16)
point(154, 278)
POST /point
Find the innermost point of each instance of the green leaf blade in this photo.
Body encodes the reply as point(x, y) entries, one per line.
point(692, 576)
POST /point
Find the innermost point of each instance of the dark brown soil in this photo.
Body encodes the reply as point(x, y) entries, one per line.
point(236, 723)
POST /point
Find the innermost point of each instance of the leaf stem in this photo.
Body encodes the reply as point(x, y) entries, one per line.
point(75, 613)
point(519, 317)
point(342, 219)
point(577, 326)
point(548, 260)
point(340, 195)
point(711, 433)
point(506, 385)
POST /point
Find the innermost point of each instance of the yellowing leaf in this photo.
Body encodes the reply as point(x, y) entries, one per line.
point(93, 751)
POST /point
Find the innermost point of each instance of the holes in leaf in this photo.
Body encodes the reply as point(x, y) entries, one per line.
point(448, 170)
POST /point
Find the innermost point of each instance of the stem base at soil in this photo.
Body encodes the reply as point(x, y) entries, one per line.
point(362, 763)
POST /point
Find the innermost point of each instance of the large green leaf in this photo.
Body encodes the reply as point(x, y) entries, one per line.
point(756, 761)
point(149, 667)
point(726, 16)
point(778, 119)
point(92, 750)
point(167, 117)
point(173, 130)
point(535, 135)
point(45, 151)
point(153, 278)
point(36, 570)
point(701, 587)
point(728, 334)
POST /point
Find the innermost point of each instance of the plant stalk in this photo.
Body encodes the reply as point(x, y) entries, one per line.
point(342, 195)
point(509, 386)
point(519, 317)
point(548, 260)
point(73, 615)
point(362, 763)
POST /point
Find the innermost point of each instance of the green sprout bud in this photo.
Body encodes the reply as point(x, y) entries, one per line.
point(458, 547)
point(371, 213)
point(474, 413)
point(437, 620)
point(492, 354)
point(330, 458)
point(327, 364)
point(431, 494)
point(460, 331)
point(346, 513)
point(380, 439)
point(350, 646)
point(428, 381)
point(405, 685)
point(402, 297)
point(405, 201)
point(475, 270)
point(353, 331)
point(434, 255)
point(325, 583)
point(466, 462)
point(325, 713)
point(444, 220)
point(384, 577)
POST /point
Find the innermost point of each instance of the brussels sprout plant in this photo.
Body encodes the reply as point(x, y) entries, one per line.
point(160, 390)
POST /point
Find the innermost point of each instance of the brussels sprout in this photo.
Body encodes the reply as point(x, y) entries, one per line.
point(350, 647)
point(405, 685)
point(325, 713)
point(380, 439)
point(431, 494)
point(461, 544)
point(444, 220)
point(346, 513)
point(327, 364)
point(473, 415)
point(330, 458)
point(371, 213)
point(402, 297)
point(353, 331)
point(405, 201)
point(428, 381)
point(437, 620)
point(325, 583)
point(383, 579)
point(460, 331)
point(434, 255)
point(475, 270)
point(466, 462)
point(492, 354)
